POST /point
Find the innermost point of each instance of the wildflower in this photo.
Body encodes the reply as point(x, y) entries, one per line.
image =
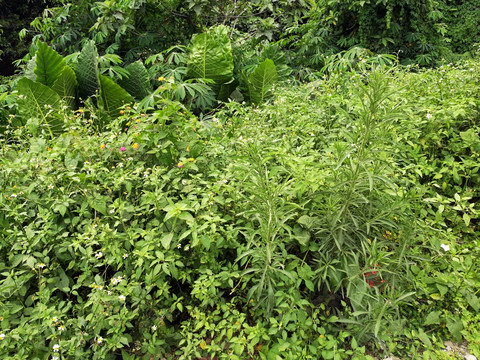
point(122, 298)
point(50, 187)
point(122, 112)
point(445, 247)
point(2, 336)
point(61, 328)
point(11, 116)
point(191, 159)
point(109, 292)
point(179, 246)
point(135, 146)
point(123, 148)
point(187, 248)
point(429, 116)
point(14, 195)
point(161, 78)
point(56, 347)
point(54, 319)
point(180, 165)
point(99, 340)
point(55, 357)
point(99, 255)
point(203, 345)
point(125, 256)
point(41, 265)
point(112, 211)
point(154, 328)
point(102, 146)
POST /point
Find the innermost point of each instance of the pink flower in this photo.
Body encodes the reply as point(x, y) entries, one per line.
point(123, 148)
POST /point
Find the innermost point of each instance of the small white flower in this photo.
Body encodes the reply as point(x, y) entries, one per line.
point(154, 328)
point(56, 347)
point(41, 265)
point(112, 211)
point(2, 336)
point(179, 246)
point(55, 357)
point(125, 256)
point(99, 340)
point(109, 292)
point(187, 248)
point(429, 116)
point(54, 319)
point(120, 165)
point(99, 255)
point(122, 298)
point(50, 187)
point(445, 247)
point(61, 328)
point(14, 195)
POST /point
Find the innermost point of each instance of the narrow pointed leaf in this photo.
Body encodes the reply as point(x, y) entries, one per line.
point(112, 96)
point(39, 101)
point(137, 83)
point(66, 85)
point(261, 81)
point(48, 64)
point(87, 71)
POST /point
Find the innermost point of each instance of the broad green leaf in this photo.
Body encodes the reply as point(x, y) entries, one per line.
point(39, 101)
point(66, 85)
point(433, 318)
point(48, 64)
point(30, 69)
point(137, 82)
point(87, 71)
point(166, 240)
point(112, 96)
point(261, 81)
point(210, 56)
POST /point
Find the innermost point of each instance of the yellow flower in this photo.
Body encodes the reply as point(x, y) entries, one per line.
point(161, 78)
point(135, 146)
point(203, 345)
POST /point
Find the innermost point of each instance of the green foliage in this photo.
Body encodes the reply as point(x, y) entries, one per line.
point(39, 102)
point(87, 71)
point(210, 56)
point(261, 81)
point(48, 65)
point(137, 82)
point(112, 96)
point(66, 86)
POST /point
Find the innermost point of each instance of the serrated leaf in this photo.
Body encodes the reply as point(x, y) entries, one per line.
point(137, 82)
point(210, 56)
point(48, 64)
point(66, 85)
point(261, 81)
point(39, 101)
point(112, 96)
point(87, 71)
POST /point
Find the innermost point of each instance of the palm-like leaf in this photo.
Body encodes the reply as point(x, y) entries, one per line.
point(39, 101)
point(261, 81)
point(66, 85)
point(137, 82)
point(87, 71)
point(48, 64)
point(112, 96)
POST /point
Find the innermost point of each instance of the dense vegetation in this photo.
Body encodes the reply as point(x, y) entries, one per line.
point(191, 196)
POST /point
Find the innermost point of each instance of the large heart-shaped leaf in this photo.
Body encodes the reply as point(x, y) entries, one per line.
point(66, 85)
point(48, 64)
point(87, 71)
point(137, 83)
point(39, 101)
point(210, 56)
point(261, 81)
point(112, 96)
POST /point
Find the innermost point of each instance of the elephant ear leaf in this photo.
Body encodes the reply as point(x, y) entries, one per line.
point(48, 64)
point(261, 81)
point(30, 69)
point(137, 83)
point(39, 101)
point(87, 71)
point(112, 96)
point(66, 85)
point(210, 56)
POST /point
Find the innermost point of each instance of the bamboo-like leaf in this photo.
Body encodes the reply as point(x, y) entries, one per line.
point(137, 82)
point(112, 96)
point(66, 85)
point(261, 81)
point(87, 71)
point(48, 64)
point(39, 101)
point(210, 56)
